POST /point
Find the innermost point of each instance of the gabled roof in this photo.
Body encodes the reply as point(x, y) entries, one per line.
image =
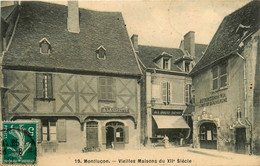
point(71, 52)
point(226, 40)
point(199, 50)
point(148, 53)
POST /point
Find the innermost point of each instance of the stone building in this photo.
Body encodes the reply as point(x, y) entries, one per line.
point(75, 72)
point(166, 89)
point(226, 83)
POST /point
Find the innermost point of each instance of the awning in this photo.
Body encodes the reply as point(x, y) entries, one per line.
point(170, 122)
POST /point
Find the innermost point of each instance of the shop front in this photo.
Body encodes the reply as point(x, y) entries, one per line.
point(208, 135)
point(169, 123)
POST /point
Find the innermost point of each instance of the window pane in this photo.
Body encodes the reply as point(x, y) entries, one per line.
point(215, 72)
point(44, 137)
point(45, 47)
point(106, 89)
point(53, 136)
point(215, 84)
point(223, 68)
point(223, 81)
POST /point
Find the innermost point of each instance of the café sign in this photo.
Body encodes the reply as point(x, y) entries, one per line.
point(167, 112)
point(212, 100)
point(107, 109)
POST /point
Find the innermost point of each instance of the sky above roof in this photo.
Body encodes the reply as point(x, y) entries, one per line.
point(164, 23)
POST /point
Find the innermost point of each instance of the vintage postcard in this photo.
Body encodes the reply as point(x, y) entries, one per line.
point(126, 83)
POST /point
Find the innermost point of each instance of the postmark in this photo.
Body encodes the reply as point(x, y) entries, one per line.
point(19, 143)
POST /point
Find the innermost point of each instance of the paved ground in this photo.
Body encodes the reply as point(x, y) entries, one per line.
point(183, 156)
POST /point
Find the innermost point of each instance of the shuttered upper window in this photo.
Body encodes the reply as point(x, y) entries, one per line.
point(166, 92)
point(44, 89)
point(106, 88)
point(188, 93)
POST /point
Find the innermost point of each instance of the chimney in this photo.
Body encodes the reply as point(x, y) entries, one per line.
point(189, 42)
point(134, 40)
point(73, 17)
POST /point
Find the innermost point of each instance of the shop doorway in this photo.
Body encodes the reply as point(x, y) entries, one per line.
point(92, 134)
point(241, 140)
point(115, 138)
point(208, 136)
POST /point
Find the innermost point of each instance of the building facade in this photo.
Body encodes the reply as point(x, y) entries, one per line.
point(226, 84)
point(78, 78)
point(166, 90)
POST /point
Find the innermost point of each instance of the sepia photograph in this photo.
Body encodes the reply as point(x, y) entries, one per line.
point(130, 83)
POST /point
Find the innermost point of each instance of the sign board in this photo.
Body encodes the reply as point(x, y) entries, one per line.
point(167, 112)
point(107, 109)
point(212, 100)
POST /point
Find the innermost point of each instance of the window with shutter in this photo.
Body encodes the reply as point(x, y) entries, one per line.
point(188, 93)
point(106, 88)
point(166, 92)
point(44, 88)
point(49, 130)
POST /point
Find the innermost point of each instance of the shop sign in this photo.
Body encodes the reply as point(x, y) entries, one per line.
point(167, 112)
point(212, 100)
point(107, 109)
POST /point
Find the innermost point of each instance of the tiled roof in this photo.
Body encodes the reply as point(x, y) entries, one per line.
point(199, 50)
point(148, 53)
point(73, 52)
point(227, 38)
point(7, 11)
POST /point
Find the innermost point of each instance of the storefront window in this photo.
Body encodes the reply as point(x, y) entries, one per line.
point(119, 135)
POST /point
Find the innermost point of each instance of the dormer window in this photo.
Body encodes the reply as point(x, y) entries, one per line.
point(165, 63)
point(187, 66)
point(45, 46)
point(101, 52)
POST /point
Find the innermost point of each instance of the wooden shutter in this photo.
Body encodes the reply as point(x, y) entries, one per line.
point(168, 92)
point(61, 130)
point(50, 87)
point(126, 130)
point(104, 140)
point(39, 85)
point(164, 92)
point(39, 129)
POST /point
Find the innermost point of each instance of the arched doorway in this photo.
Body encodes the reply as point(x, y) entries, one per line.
point(92, 134)
point(115, 135)
point(208, 135)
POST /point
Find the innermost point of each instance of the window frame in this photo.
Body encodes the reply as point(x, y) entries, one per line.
point(112, 86)
point(166, 61)
point(98, 52)
point(219, 76)
point(46, 88)
point(188, 93)
point(167, 97)
point(49, 133)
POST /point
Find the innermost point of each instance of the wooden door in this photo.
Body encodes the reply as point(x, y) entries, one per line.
point(92, 135)
point(241, 140)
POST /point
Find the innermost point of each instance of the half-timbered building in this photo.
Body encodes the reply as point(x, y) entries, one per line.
point(75, 72)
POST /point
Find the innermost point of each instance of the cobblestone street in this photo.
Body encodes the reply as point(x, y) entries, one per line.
point(153, 157)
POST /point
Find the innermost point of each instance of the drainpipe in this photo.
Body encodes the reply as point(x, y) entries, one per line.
point(245, 105)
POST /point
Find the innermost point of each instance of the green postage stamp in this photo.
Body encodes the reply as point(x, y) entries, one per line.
point(19, 143)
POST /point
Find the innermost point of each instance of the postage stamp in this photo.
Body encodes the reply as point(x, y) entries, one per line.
point(19, 143)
